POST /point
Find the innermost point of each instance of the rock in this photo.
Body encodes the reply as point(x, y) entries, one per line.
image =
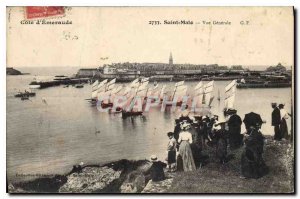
point(134, 183)
point(12, 71)
point(161, 186)
point(91, 179)
point(12, 189)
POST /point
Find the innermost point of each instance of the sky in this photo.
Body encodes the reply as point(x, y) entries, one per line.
point(103, 35)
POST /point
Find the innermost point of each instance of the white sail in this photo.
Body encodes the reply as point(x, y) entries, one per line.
point(152, 91)
point(180, 93)
point(127, 90)
point(229, 101)
point(95, 85)
point(142, 89)
point(101, 84)
point(208, 93)
point(134, 82)
point(100, 94)
point(116, 90)
point(179, 83)
point(94, 94)
point(162, 92)
point(209, 84)
point(231, 85)
point(145, 80)
point(198, 86)
point(110, 85)
point(230, 94)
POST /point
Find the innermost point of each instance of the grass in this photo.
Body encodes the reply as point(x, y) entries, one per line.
point(217, 178)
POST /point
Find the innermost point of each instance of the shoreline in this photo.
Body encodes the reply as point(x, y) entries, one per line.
point(111, 177)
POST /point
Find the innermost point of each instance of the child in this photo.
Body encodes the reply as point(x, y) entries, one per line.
point(171, 152)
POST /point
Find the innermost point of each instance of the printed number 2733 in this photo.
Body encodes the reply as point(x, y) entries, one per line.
point(154, 22)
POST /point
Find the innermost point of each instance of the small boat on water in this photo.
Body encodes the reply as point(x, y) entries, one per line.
point(267, 82)
point(264, 85)
point(79, 86)
point(126, 114)
point(140, 91)
point(34, 85)
point(25, 97)
point(26, 93)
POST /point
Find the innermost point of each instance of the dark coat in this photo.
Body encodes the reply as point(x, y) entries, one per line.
point(235, 137)
point(157, 171)
point(276, 119)
point(252, 163)
point(234, 121)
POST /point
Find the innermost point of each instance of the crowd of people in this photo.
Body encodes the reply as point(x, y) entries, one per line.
point(193, 134)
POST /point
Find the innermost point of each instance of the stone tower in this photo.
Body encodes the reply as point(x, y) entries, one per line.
point(171, 60)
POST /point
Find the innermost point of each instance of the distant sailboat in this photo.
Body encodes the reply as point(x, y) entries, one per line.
point(96, 89)
point(108, 91)
point(230, 90)
point(198, 94)
point(219, 97)
point(179, 91)
point(162, 93)
point(208, 93)
point(140, 92)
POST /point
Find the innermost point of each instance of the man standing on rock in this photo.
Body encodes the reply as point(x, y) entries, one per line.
point(276, 119)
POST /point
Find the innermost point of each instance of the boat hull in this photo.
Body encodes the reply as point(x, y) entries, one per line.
point(263, 85)
point(129, 114)
point(35, 86)
point(25, 94)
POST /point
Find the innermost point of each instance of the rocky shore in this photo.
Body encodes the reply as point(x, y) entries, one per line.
point(125, 176)
point(12, 71)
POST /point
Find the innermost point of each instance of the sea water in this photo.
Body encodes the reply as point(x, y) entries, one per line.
point(58, 128)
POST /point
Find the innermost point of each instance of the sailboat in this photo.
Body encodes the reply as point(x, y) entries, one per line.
point(230, 91)
point(179, 91)
point(96, 88)
point(140, 92)
point(152, 92)
point(162, 93)
point(208, 93)
point(107, 93)
point(198, 95)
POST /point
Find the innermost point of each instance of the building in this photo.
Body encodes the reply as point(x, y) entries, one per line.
point(87, 72)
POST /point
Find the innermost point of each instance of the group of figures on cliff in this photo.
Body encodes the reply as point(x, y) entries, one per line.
point(194, 134)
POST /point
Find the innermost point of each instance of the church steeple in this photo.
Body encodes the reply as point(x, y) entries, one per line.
point(170, 59)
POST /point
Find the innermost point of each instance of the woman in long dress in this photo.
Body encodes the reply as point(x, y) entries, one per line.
point(185, 139)
point(283, 125)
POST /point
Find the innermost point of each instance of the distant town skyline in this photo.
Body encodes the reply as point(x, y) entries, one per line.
point(107, 35)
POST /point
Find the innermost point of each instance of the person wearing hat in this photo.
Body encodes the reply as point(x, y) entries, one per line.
point(177, 129)
point(276, 120)
point(283, 126)
point(196, 146)
point(234, 129)
point(220, 139)
point(171, 152)
point(156, 171)
point(252, 162)
point(185, 115)
point(184, 140)
point(205, 128)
